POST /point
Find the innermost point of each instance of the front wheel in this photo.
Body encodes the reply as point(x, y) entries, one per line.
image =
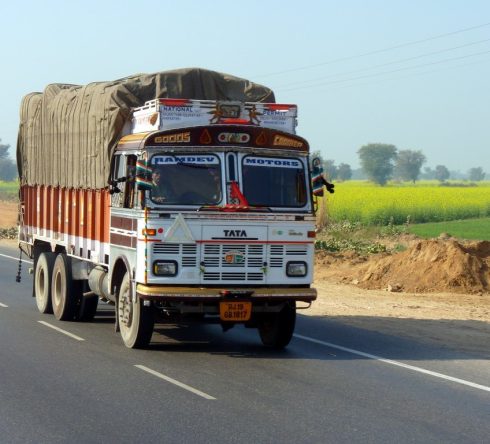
point(276, 329)
point(135, 320)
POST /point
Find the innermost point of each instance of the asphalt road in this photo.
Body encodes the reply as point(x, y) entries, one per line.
point(334, 383)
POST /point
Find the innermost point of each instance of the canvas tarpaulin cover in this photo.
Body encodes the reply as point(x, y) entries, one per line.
point(67, 133)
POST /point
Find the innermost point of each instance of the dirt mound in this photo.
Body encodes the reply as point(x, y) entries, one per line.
point(432, 266)
point(428, 266)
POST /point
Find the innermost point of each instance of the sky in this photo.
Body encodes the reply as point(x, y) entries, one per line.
point(413, 74)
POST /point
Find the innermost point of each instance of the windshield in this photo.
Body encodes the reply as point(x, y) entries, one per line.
point(186, 179)
point(274, 182)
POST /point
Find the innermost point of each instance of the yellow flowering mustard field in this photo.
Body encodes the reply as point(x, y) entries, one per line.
point(361, 201)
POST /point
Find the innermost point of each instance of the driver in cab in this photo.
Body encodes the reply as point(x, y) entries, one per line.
point(161, 190)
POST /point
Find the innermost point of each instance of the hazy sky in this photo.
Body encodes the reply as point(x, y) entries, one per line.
point(412, 73)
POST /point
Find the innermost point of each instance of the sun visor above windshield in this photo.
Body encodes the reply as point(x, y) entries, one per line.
point(216, 136)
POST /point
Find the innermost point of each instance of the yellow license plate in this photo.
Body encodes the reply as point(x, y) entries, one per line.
point(235, 311)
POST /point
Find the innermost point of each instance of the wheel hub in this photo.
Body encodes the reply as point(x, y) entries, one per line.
point(125, 309)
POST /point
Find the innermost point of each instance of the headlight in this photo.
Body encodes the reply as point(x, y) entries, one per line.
point(165, 268)
point(296, 269)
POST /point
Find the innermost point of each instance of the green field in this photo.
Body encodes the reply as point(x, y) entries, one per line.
point(478, 229)
point(426, 206)
point(9, 190)
point(362, 201)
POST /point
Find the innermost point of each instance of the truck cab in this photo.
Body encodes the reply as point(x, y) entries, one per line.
point(212, 221)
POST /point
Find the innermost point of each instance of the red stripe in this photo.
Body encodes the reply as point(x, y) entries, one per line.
point(174, 102)
point(279, 106)
point(235, 241)
point(230, 120)
point(250, 242)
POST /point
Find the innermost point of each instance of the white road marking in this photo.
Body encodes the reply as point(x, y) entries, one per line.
point(173, 381)
point(16, 258)
point(399, 364)
point(3, 305)
point(67, 333)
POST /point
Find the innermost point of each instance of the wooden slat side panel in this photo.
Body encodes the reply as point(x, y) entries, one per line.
point(24, 198)
point(44, 209)
point(56, 211)
point(88, 218)
point(66, 215)
point(38, 209)
point(81, 218)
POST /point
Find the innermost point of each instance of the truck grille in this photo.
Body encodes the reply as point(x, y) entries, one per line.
point(187, 252)
point(224, 276)
point(278, 253)
point(233, 262)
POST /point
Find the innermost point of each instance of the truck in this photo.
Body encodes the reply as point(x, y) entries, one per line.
point(180, 196)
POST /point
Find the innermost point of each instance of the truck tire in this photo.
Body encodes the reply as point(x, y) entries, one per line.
point(135, 320)
point(276, 329)
point(42, 282)
point(64, 296)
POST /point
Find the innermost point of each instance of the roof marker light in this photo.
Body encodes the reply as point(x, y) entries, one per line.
point(175, 102)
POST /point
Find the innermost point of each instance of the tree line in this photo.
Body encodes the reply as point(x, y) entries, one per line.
point(382, 162)
point(8, 169)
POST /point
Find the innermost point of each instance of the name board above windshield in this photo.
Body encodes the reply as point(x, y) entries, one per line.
point(271, 162)
point(228, 135)
point(184, 159)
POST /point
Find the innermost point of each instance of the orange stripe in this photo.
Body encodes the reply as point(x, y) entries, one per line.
point(73, 212)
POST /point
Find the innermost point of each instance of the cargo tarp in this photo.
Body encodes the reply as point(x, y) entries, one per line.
point(68, 133)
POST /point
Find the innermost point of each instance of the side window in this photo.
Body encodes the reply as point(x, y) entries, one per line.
point(124, 167)
point(129, 188)
point(118, 170)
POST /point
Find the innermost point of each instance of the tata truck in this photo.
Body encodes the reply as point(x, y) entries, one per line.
point(226, 234)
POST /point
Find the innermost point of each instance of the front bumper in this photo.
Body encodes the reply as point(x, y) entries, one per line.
point(199, 294)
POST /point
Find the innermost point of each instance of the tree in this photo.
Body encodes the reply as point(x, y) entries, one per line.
point(408, 164)
point(330, 169)
point(428, 173)
point(4, 150)
point(344, 171)
point(476, 174)
point(441, 173)
point(8, 172)
point(377, 161)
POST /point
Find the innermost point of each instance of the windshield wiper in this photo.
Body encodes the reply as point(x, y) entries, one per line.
point(191, 165)
point(180, 162)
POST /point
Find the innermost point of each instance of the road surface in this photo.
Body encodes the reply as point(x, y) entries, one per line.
point(68, 382)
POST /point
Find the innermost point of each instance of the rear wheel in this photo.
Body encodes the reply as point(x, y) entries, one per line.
point(64, 295)
point(276, 329)
point(135, 320)
point(42, 281)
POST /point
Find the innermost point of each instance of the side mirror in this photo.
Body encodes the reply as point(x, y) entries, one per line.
point(113, 183)
point(113, 188)
point(316, 177)
point(316, 163)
